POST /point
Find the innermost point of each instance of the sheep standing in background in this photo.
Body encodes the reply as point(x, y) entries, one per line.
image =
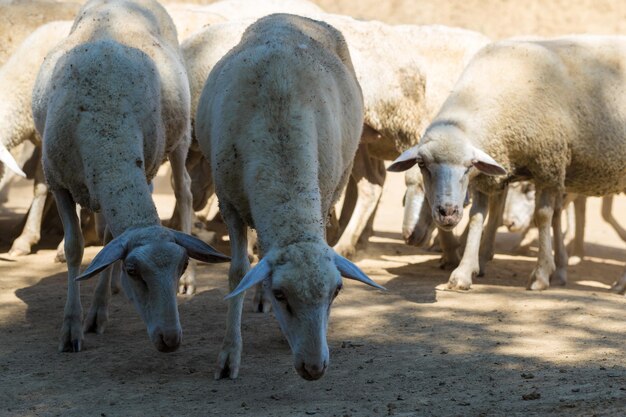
point(406, 73)
point(553, 111)
point(17, 78)
point(111, 102)
point(280, 118)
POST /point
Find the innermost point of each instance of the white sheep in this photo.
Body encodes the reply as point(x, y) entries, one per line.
point(111, 102)
point(17, 78)
point(406, 72)
point(549, 110)
point(280, 118)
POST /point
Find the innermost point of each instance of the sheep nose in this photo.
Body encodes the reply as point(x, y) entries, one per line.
point(314, 371)
point(167, 340)
point(448, 210)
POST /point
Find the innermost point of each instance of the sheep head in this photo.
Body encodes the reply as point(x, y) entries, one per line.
point(302, 280)
point(447, 161)
point(154, 259)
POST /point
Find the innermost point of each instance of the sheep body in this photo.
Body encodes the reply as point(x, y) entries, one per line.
point(111, 101)
point(547, 110)
point(280, 118)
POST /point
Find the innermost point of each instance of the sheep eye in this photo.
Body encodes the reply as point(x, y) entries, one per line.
point(279, 296)
point(420, 163)
point(131, 271)
point(337, 291)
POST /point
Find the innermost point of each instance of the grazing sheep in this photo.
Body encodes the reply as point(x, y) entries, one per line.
point(547, 110)
point(111, 102)
point(21, 18)
point(17, 78)
point(280, 118)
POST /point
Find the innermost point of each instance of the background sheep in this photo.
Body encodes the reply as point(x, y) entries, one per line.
point(17, 78)
point(280, 118)
point(111, 101)
point(527, 105)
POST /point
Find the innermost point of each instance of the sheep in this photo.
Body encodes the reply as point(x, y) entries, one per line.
point(110, 102)
point(547, 110)
point(406, 73)
point(280, 118)
point(17, 78)
point(21, 18)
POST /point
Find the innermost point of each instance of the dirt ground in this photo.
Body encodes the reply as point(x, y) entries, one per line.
point(416, 349)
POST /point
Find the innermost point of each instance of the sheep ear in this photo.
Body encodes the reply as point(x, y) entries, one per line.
point(115, 250)
point(197, 249)
point(405, 161)
point(486, 164)
point(7, 159)
point(257, 274)
point(349, 270)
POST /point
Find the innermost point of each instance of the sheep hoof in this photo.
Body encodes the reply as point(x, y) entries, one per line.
point(187, 285)
point(538, 281)
point(345, 250)
point(574, 260)
point(559, 277)
point(20, 247)
point(96, 320)
point(71, 335)
point(228, 363)
point(460, 280)
point(60, 256)
point(261, 303)
point(619, 287)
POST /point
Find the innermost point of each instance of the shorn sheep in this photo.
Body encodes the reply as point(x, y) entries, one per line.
point(553, 111)
point(111, 101)
point(280, 118)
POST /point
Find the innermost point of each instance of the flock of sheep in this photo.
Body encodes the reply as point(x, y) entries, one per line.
point(278, 114)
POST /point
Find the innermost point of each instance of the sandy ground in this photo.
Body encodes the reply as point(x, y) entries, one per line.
point(414, 350)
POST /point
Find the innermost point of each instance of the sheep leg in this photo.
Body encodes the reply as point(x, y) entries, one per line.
point(577, 245)
point(261, 302)
point(71, 331)
point(529, 235)
point(496, 209)
point(98, 314)
point(369, 174)
point(230, 356)
point(182, 191)
point(32, 229)
point(449, 246)
point(544, 211)
point(619, 286)
point(559, 276)
point(607, 215)
point(461, 277)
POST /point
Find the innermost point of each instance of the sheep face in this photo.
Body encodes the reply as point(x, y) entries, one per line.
point(519, 206)
point(154, 259)
point(447, 161)
point(150, 280)
point(303, 284)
